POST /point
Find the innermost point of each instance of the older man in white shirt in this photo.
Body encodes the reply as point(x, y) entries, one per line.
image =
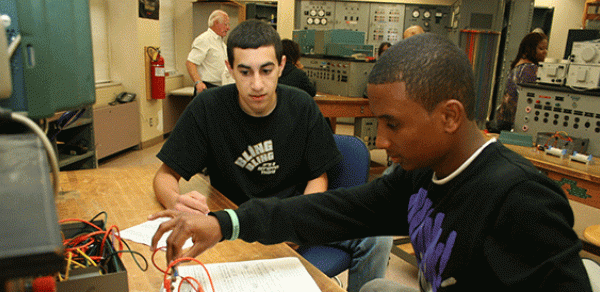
point(206, 60)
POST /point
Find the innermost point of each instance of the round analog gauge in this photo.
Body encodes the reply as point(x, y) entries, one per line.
point(313, 13)
point(309, 21)
point(321, 13)
point(588, 53)
point(324, 21)
point(317, 21)
point(416, 13)
point(427, 14)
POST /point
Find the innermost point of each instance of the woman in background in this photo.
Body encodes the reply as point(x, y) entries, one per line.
point(292, 74)
point(384, 46)
point(532, 50)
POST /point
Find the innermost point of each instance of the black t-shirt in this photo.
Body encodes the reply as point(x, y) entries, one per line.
point(248, 156)
point(295, 77)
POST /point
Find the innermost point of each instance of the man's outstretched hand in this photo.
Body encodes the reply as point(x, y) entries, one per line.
point(204, 230)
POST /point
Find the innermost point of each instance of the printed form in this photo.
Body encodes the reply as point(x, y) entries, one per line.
point(273, 275)
point(143, 233)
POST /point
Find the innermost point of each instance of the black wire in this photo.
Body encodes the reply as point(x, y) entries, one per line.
point(105, 217)
point(133, 253)
point(134, 259)
point(93, 249)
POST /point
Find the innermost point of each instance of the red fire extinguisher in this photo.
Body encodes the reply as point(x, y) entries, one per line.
point(157, 74)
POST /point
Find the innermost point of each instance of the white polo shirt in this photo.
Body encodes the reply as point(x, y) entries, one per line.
point(209, 52)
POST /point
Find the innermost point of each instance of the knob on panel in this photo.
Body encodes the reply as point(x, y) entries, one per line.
point(588, 53)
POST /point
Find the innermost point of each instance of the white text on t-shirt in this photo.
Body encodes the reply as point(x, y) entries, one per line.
point(256, 155)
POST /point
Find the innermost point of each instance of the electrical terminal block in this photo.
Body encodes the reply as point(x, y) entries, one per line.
point(586, 159)
point(554, 151)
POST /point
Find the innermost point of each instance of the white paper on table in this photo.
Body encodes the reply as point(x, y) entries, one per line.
point(143, 233)
point(272, 275)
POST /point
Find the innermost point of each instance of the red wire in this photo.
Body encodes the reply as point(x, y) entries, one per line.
point(75, 245)
point(74, 242)
point(189, 280)
point(80, 220)
point(116, 236)
point(154, 263)
point(173, 263)
point(166, 283)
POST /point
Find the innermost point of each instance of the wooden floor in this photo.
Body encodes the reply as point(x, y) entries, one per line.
point(398, 269)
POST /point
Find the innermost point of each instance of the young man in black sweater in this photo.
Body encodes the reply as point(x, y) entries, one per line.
point(480, 217)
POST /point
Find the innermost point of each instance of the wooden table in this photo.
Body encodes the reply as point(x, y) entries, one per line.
point(580, 182)
point(126, 195)
point(335, 106)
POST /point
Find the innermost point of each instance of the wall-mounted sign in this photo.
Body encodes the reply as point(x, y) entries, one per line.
point(149, 8)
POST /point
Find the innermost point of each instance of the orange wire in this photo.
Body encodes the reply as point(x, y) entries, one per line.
point(173, 263)
point(154, 263)
point(80, 220)
point(77, 240)
point(189, 280)
point(559, 136)
point(116, 236)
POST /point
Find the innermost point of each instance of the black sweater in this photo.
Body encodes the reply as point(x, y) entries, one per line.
point(500, 225)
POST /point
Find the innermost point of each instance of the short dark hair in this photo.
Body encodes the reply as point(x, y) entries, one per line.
point(433, 69)
point(291, 50)
point(253, 34)
point(528, 48)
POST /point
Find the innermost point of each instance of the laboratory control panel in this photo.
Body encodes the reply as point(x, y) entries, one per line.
point(431, 18)
point(352, 16)
point(382, 22)
point(343, 77)
point(584, 70)
point(386, 23)
point(545, 108)
point(316, 15)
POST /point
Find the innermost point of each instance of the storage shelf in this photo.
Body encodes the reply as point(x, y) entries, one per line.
point(79, 122)
point(80, 133)
point(591, 16)
point(263, 11)
point(66, 159)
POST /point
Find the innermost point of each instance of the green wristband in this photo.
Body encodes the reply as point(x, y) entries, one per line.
point(235, 224)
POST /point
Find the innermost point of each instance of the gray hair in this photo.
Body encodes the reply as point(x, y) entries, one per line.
point(217, 15)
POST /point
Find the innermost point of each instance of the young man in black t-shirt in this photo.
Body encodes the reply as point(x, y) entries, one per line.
point(258, 139)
